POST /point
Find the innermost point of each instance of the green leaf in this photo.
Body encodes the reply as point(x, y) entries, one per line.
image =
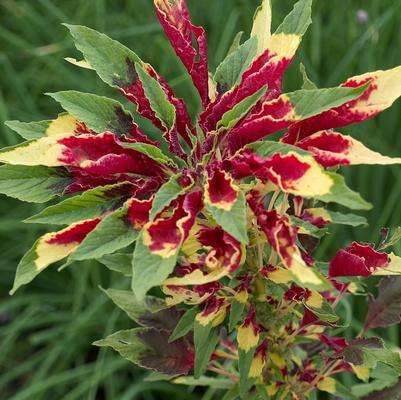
point(382, 376)
point(393, 393)
point(229, 72)
point(240, 110)
point(158, 376)
point(236, 311)
point(167, 193)
point(205, 339)
point(36, 184)
point(298, 20)
point(43, 253)
point(308, 103)
point(150, 313)
point(342, 194)
point(150, 150)
point(126, 343)
point(325, 312)
point(126, 300)
point(118, 262)
point(90, 204)
point(235, 43)
point(393, 239)
point(158, 100)
point(185, 325)
point(148, 347)
point(244, 365)
point(149, 270)
point(368, 352)
point(232, 394)
point(310, 229)
point(233, 221)
point(343, 392)
point(215, 383)
point(347, 219)
point(385, 309)
point(268, 148)
point(307, 83)
point(113, 233)
point(261, 27)
point(113, 62)
point(97, 112)
point(29, 130)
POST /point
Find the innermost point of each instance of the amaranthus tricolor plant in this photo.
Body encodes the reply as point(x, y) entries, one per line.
point(217, 221)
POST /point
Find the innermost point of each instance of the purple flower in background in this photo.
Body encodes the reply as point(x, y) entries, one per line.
point(362, 16)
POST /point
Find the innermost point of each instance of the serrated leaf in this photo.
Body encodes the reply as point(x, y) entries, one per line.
point(158, 100)
point(149, 269)
point(113, 233)
point(168, 192)
point(240, 110)
point(185, 325)
point(393, 393)
point(99, 113)
point(126, 343)
point(36, 184)
point(118, 262)
point(368, 352)
point(382, 376)
point(90, 204)
point(229, 72)
point(342, 194)
point(205, 339)
point(149, 348)
point(113, 62)
point(233, 221)
point(298, 20)
point(385, 309)
point(308, 103)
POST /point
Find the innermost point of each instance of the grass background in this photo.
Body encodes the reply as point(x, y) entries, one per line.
point(46, 329)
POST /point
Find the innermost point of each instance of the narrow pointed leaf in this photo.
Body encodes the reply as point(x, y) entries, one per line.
point(158, 100)
point(206, 339)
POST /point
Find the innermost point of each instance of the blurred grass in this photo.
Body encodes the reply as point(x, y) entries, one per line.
point(46, 329)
